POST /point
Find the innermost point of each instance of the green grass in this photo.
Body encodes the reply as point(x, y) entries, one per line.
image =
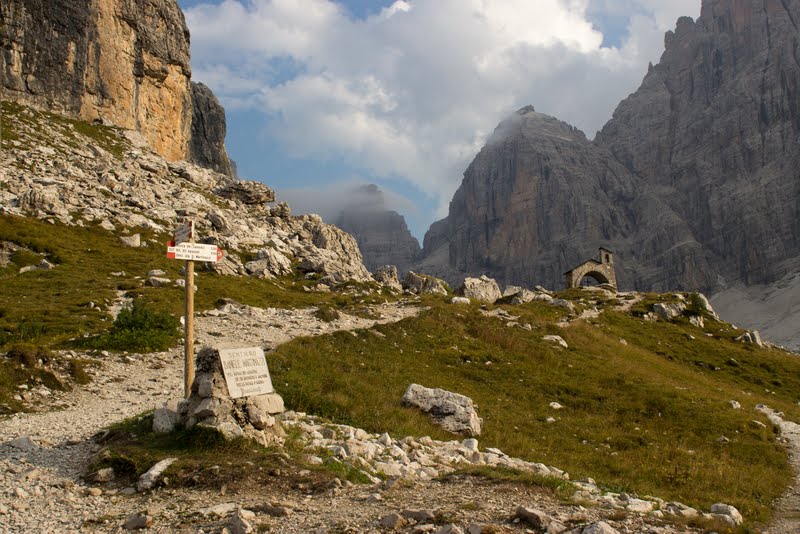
point(52, 307)
point(633, 418)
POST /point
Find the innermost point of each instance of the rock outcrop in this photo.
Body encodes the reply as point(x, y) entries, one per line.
point(207, 144)
point(452, 411)
point(381, 233)
point(483, 289)
point(120, 62)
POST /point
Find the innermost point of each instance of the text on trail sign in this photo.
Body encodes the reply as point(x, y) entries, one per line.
point(184, 233)
point(194, 252)
point(245, 371)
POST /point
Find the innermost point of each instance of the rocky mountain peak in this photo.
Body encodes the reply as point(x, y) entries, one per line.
point(381, 233)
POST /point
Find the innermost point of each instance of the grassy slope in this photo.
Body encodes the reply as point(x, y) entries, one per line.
point(644, 416)
point(633, 418)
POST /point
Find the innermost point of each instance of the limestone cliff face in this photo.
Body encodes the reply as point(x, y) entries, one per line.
point(540, 198)
point(123, 61)
point(381, 233)
point(694, 182)
point(716, 127)
point(207, 144)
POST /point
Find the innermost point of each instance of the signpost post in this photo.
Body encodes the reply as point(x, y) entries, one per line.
point(184, 248)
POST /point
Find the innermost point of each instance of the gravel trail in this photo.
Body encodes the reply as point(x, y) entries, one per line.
point(44, 454)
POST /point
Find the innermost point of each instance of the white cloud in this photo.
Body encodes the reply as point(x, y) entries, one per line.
point(412, 92)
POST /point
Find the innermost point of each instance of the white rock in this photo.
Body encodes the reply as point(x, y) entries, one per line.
point(735, 405)
point(134, 240)
point(728, 510)
point(483, 289)
point(555, 406)
point(600, 527)
point(470, 444)
point(556, 339)
point(460, 300)
point(147, 480)
point(452, 411)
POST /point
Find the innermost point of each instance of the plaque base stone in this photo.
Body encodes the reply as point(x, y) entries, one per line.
point(211, 406)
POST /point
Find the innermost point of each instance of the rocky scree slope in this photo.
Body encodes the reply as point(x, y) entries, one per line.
point(58, 169)
point(694, 182)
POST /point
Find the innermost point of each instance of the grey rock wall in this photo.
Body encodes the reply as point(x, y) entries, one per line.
point(207, 144)
point(694, 183)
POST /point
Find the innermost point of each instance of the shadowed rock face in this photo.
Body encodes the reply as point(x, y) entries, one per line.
point(694, 183)
point(125, 62)
point(716, 127)
point(207, 146)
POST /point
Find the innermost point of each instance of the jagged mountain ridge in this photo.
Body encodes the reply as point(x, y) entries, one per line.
point(708, 144)
point(716, 127)
point(569, 195)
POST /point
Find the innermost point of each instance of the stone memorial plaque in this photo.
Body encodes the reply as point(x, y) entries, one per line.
point(245, 371)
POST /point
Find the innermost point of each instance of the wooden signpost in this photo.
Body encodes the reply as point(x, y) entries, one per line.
point(183, 247)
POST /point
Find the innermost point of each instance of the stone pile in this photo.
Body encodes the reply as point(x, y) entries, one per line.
point(210, 405)
point(409, 457)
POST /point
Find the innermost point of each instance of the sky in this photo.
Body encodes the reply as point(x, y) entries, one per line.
point(322, 95)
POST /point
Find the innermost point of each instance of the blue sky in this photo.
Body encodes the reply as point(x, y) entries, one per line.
point(322, 95)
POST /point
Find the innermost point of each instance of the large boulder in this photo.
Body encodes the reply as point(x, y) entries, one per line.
point(421, 284)
point(387, 276)
point(668, 311)
point(248, 193)
point(454, 412)
point(483, 289)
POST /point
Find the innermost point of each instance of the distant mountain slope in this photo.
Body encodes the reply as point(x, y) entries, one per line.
point(381, 233)
point(695, 182)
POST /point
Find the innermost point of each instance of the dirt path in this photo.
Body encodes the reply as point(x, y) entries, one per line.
point(42, 455)
point(787, 512)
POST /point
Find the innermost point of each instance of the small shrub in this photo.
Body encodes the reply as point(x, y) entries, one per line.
point(29, 355)
point(77, 370)
point(327, 314)
point(140, 329)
